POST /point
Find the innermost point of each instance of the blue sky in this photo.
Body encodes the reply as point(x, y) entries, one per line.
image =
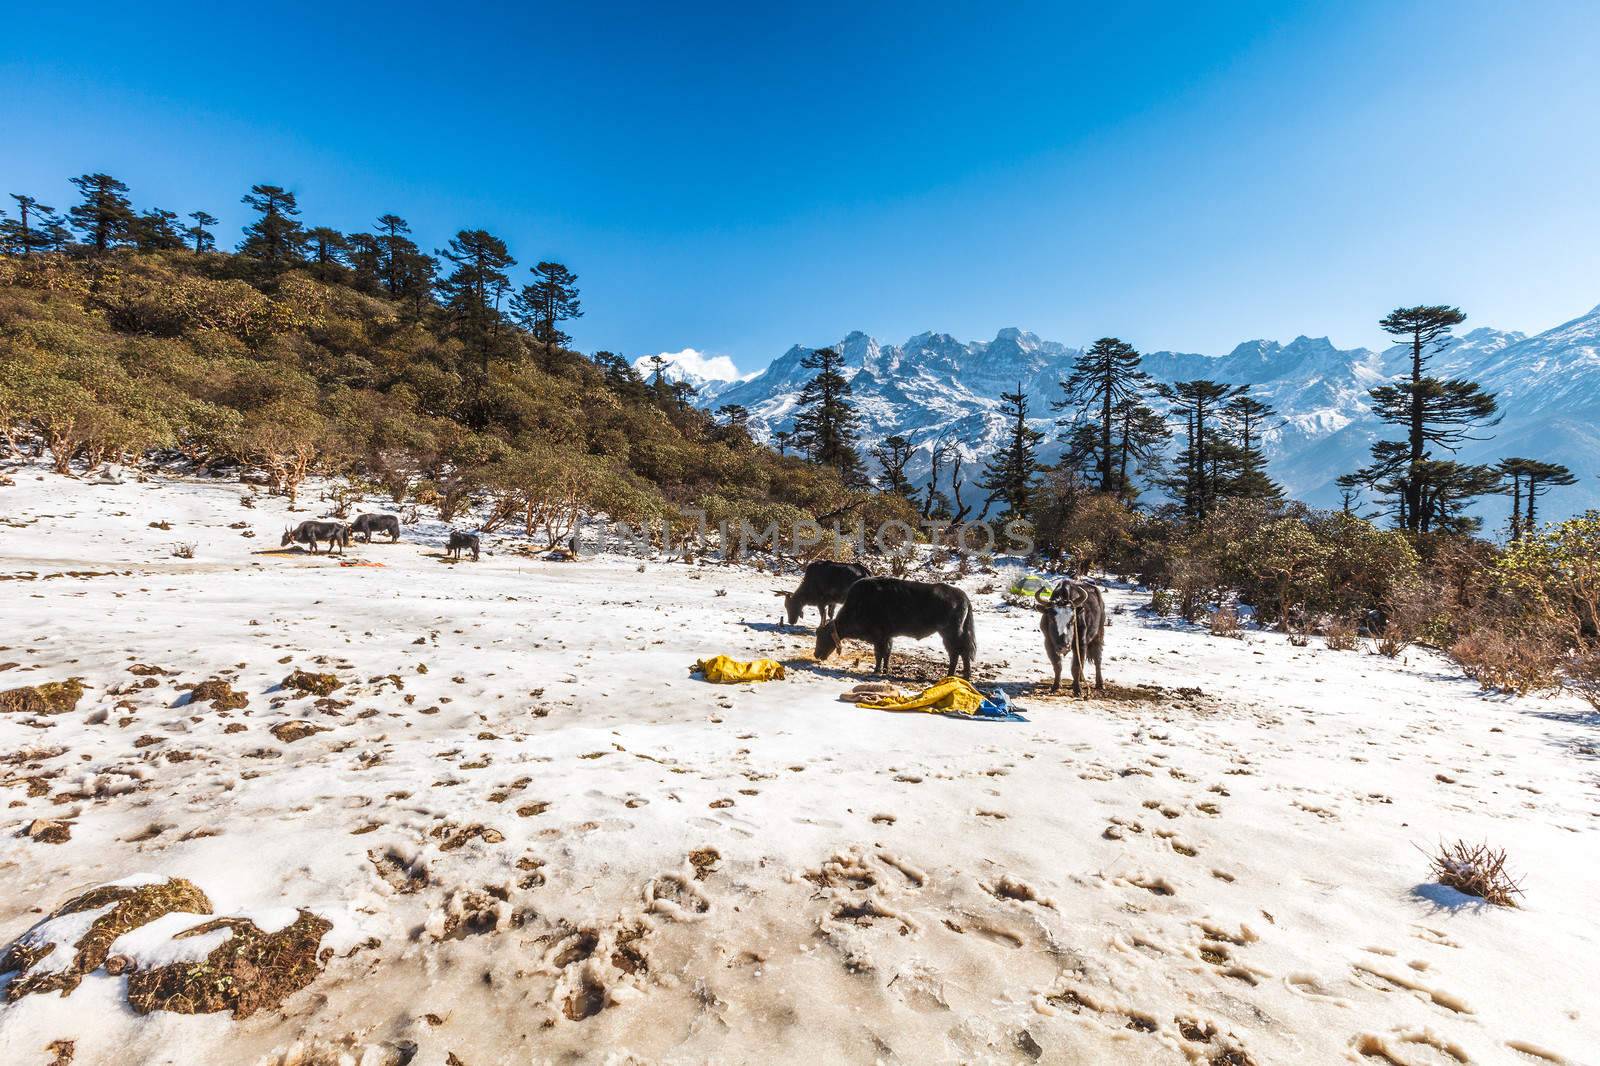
point(733, 179)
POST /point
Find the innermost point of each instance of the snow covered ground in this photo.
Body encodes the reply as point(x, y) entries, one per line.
point(539, 839)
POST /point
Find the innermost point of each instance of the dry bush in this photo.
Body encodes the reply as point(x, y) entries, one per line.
point(1194, 582)
point(1416, 611)
point(1299, 639)
point(183, 550)
point(1583, 673)
point(1225, 622)
point(1340, 635)
point(1477, 870)
point(1520, 662)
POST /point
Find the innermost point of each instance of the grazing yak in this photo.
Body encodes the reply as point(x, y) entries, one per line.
point(823, 585)
point(312, 531)
point(878, 609)
point(368, 524)
point(1073, 621)
point(460, 542)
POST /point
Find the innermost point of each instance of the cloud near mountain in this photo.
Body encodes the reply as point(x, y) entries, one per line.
point(694, 365)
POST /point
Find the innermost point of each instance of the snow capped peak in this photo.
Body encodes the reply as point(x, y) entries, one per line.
point(1020, 337)
point(935, 388)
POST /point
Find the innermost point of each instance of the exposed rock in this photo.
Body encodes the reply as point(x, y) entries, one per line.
point(46, 831)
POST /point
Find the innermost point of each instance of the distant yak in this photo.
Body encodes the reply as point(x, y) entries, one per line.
point(878, 609)
point(823, 585)
point(366, 525)
point(312, 531)
point(460, 542)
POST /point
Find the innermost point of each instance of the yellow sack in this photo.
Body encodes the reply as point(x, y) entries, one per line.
point(951, 694)
point(724, 670)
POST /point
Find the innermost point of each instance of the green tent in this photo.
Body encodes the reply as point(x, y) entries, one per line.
point(1027, 586)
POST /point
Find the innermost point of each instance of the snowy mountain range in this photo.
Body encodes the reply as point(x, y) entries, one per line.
point(934, 388)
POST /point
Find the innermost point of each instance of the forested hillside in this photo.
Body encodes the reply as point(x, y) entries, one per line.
point(440, 378)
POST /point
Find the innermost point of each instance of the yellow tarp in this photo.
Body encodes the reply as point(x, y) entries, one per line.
point(951, 694)
point(724, 670)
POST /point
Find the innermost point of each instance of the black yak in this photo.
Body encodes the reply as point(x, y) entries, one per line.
point(312, 531)
point(878, 609)
point(366, 525)
point(460, 542)
point(823, 585)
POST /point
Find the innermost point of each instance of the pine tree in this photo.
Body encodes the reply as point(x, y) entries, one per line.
point(1142, 436)
point(1349, 491)
point(54, 236)
point(658, 373)
point(275, 239)
point(1010, 473)
point(735, 427)
point(1104, 379)
point(1200, 404)
point(784, 439)
point(27, 232)
point(1542, 477)
point(104, 216)
point(621, 377)
point(395, 251)
point(893, 456)
point(326, 245)
point(1448, 487)
point(825, 428)
point(550, 300)
point(204, 239)
point(1244, 414)
point(156, 230)
point(472, 294)
point(1434, 413)
point(1529, 479)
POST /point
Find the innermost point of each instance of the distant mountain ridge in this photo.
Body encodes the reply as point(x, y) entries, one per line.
point(934, 388)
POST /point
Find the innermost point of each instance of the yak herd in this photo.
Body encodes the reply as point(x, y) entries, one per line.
point(313, 532)
point(1072, 617)
point(852, 604)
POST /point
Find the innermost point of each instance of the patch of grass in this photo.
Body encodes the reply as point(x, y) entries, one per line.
point(704, 861)
point(1477, 870)
point(317, 684)
point(52, 697)
point(131, 907)
point(220, 694)
point(289, 732)
point(249, 971)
